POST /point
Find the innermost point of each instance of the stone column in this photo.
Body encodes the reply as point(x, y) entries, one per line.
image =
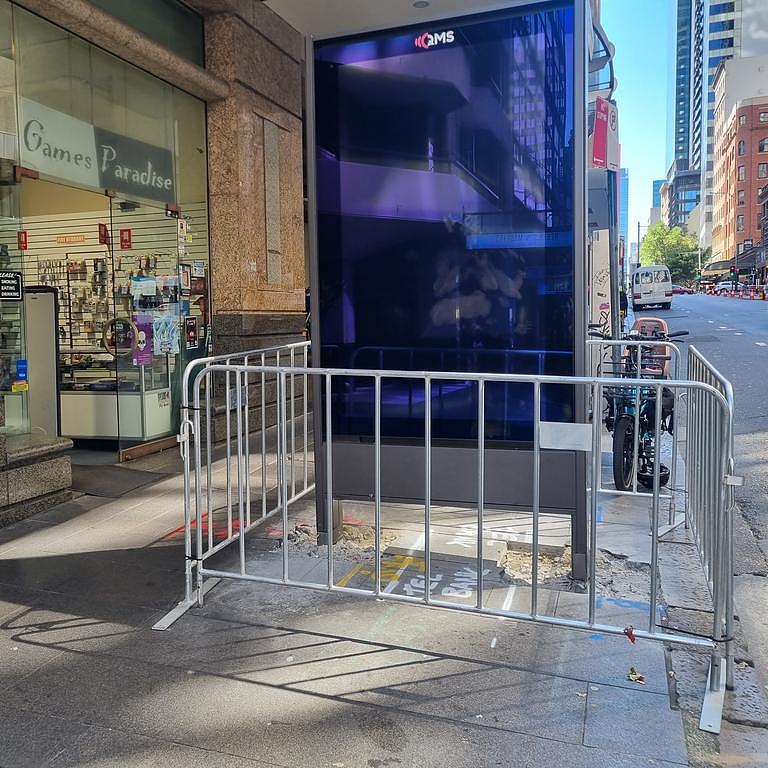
point(255, 169)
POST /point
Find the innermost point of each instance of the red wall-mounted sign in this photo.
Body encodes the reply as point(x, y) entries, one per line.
point(21, 239)
point(125, 239)
point(103, 234)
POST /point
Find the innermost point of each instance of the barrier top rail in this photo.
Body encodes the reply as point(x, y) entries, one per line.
point(522, 378)
point(214, 359)
point(726, 385)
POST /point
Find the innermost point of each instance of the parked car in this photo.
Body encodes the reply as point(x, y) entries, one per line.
point(681, 289)
point(728, 285)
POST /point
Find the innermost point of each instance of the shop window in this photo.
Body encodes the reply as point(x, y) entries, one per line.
point(168, 22)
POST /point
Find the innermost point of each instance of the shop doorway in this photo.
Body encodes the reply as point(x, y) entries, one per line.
point(131, 311)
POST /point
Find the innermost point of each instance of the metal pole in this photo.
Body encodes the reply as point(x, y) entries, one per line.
point(293, 424)
point(480, 486)
point(655, 511)
point(377, 478)
point(282, 385)
point(537, 495)
point(247, 448)
point(328, 479)
point(427, 483)
point(228, 417)
point(240, 478)
point(198, 500)
point(596, 468)
point(304, 411)
point(208, 461)
point(263, 437)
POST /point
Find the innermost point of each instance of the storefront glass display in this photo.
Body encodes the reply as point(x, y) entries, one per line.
point(113, 203)
point(12, 340)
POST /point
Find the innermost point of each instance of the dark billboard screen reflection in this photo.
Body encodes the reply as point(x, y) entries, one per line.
point(445, 218)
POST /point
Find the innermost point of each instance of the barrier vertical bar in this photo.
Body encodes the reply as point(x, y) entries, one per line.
point(247, 435)
point(480, 486)
point(655, 510)
point(427, 485)
point(636, 436)
point(328, 479)
point(596, 468)
point(675, 409)
point(263, 436)
point(293, 422)
point(537, 495)
point(282, 386)
point(228, 417)
point(304, 410)
point(709, 509)
point(377, 478)
point(240, 478)
point(208, 442)
point(198, 500)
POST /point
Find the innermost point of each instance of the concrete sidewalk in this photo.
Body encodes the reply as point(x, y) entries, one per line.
point(267, 675)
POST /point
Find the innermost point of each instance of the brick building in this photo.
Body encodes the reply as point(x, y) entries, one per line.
point(740, 171)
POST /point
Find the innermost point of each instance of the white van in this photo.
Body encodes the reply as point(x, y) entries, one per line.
point(651, 285)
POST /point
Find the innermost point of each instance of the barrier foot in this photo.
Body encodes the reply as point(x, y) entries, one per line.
point(182, 607)
point(678, 521)
point(712, 708)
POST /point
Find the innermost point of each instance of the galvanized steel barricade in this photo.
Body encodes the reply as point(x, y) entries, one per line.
point(279, 365)
point(710, 480)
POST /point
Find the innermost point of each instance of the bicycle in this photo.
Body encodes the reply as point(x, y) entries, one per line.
point(627, 407)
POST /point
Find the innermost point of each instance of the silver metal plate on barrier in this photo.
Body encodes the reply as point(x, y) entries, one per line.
point(560, 436)
point(233, 404)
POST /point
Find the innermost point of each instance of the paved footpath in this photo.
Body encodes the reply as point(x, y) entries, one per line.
point(274, 676)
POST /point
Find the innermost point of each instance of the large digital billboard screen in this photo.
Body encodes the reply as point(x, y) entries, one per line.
point(445, 202)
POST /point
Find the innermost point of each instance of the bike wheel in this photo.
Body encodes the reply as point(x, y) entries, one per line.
point(623, 452)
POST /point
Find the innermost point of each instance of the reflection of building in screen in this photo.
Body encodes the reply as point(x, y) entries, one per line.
point(445, 187)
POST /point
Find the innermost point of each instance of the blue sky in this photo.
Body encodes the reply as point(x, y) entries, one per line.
point(643, 35)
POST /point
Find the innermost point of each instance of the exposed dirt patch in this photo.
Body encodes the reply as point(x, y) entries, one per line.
point(614, 576)
point(357, 542)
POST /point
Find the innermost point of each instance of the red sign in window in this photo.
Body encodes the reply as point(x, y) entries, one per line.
point(103, 234)
point(21, 239)
point(125, 239)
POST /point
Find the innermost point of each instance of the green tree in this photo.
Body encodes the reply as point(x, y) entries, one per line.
point(672, 247)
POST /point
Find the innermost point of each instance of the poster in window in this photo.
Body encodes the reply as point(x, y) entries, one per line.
point(185, 279)
point(190, 332)
point(142, 354)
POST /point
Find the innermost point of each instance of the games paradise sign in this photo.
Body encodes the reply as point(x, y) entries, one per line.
point(64, 147)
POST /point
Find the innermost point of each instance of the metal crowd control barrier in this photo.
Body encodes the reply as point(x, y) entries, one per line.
point(711, 456)
point(710, 479)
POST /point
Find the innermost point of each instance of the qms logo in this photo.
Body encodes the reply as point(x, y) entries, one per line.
point(428, 40)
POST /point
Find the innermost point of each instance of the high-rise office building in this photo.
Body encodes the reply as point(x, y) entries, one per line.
point(624, 204)
point(656, 194)
point(735, 29)
point(683, 80)
point(675, 196)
